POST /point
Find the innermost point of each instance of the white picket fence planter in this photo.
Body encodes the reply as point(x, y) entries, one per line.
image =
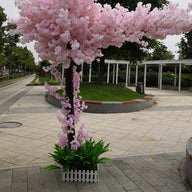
point(81, 175)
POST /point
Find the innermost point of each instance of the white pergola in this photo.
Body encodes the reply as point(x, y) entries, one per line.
point(160, 63)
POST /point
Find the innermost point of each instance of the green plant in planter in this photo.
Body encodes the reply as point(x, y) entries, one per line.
point(86, 157)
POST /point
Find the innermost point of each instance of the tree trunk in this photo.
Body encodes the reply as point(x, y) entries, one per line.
point(69, 94)
point(100, 79)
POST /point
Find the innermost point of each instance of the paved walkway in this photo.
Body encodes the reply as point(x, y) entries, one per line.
point(147, 173)
point(149, 144)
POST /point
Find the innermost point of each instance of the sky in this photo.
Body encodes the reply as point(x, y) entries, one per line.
point(170, 41)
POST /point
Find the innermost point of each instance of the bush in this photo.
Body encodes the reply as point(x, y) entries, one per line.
point(85, 157)
point(168, 78)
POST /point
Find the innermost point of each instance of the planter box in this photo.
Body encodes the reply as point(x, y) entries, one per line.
point(112, 106)
point(81, 175)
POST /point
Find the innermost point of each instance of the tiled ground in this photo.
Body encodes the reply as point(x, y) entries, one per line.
point(134, 139)
point(163, 128)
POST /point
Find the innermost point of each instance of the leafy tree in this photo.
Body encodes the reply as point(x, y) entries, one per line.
point(15, 58)
point(160, 52)
point(3, 18)
point(185, 46)
point(129, 51)
point(185, 50)
point(24, 59)
point(19, 59)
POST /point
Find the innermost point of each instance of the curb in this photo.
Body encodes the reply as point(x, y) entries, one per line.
point(111, 106)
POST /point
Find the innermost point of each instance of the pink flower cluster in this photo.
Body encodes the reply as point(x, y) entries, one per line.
point(76, 29)
point(69, 121)
point(51, 90)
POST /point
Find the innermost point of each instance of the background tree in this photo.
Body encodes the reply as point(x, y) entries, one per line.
point(10, 44)
point(160, 52)
point(24, 59)
point(3, 18)
point(185, 46)
point(13, 57)
point(185, 52)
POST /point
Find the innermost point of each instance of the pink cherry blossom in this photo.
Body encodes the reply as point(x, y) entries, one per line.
point(51, 90)
point(75, 144)
point(83, 134)
point(62, 141)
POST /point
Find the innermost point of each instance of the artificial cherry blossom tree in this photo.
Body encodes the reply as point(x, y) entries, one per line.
point(72, 32)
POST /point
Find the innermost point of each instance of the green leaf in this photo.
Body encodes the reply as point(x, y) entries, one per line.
point(51, 167)
point(103, 160)
point(66, 169)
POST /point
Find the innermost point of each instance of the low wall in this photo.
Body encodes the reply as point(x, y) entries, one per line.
point(111, 107)
point(188, 163)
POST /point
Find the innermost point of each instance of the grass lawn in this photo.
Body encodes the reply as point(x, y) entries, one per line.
point(108, 92)
point(41, 80)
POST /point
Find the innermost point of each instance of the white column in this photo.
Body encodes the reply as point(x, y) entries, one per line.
point(126, 81)
point(89, 73)
point(117, 69)
point(4, 69)
point(136, 74)
point(113, 73)
point(161, 77)
point(129, 77)
point(175, 78)
point(82, 72)
point(108, 71)
point(145, 75)
point(179, 85)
